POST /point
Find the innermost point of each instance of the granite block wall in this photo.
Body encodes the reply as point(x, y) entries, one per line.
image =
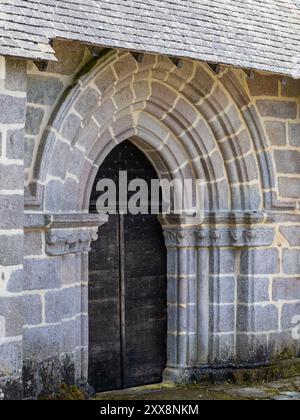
point(233, 280)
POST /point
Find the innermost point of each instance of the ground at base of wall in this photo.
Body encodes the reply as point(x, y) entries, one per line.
point(284, 389)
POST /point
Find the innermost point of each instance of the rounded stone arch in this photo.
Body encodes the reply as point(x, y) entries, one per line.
point(190, 122)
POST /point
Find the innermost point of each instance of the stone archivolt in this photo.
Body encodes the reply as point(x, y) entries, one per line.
point(191, 124)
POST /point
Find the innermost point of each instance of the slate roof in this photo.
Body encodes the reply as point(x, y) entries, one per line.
point(255, 34)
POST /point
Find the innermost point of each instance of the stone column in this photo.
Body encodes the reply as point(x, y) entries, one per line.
point(188, 300)
point(12, 123)
point(205, 317)
point(57, 342)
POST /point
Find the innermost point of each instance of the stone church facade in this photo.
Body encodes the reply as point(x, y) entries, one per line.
point(233, 282)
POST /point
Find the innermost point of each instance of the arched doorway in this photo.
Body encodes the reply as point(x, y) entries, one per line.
point(127, 288)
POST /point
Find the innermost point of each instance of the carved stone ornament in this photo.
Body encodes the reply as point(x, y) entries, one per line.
point(62, 242)
point(66, 233)
point(219, 237)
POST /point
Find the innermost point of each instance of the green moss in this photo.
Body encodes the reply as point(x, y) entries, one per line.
point(66, 393)
point(281, 370)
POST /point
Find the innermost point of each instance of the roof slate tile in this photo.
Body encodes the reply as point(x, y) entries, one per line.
point(255, 34)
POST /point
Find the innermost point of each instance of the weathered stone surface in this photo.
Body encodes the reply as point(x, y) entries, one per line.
point(83, 292)
point(69, 54)
point(42, 343)
point(292, 234)
point(277, 109)
point(187, 286)
point(71, 127)
point(63, 304)
point(11, 177)
point(283, 343)
point(15, 75)
point(32, 307)
point(15, 144)
point(11, 249)
point(291, 261)
point(70, 369)
point(12, 110)
point(187, 262)
point(82, 331)
point(223, 261)
point(289, 187)
point(255, 318)
point(11, 216)
point(41, 378)
point(19, 311)
point(260, 261)
point(70, 299)
point(238, 166)
point(253, 290)
point(88, 135)
point(68, 336)
point(222, 349)
point(291, 89)
point(246, 197)
point(125, 67)
point(28, 151)
point(60, 159)
point(182, 319)
point(276, 132)
point(222, 318)
point(236, 146)
point(33, 243)
point(87, 102)
point(250, 393)
point(104, 113)
point(34, 119)
point(54, 196)
point(252, 348)
point(43, 90)
point(287, 161)
point(10, 358)
point(294, 134)
point(105, 80)
point(38, 274)
point(71, 269)
point(53, 307)
point(263, 85)
point(222, 289)
point(289, 314)
point(286, 289)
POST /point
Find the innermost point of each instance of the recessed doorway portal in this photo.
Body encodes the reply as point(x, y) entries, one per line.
point(127, 287)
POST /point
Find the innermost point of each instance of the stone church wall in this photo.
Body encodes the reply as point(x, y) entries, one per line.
point(238, 274)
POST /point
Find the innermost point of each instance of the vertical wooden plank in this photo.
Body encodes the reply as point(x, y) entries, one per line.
point(122, 298)
point(104, 310)
point(146, 319)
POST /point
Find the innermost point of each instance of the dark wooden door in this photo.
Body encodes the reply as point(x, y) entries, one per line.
point(127, 288)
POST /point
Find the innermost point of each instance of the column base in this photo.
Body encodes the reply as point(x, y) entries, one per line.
point(235, 374)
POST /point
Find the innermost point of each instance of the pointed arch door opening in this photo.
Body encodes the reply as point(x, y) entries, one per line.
point(127, 288)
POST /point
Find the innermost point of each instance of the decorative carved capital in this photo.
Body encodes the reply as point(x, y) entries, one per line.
point(219, 237)
point(62, 242)
point(66, 233)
